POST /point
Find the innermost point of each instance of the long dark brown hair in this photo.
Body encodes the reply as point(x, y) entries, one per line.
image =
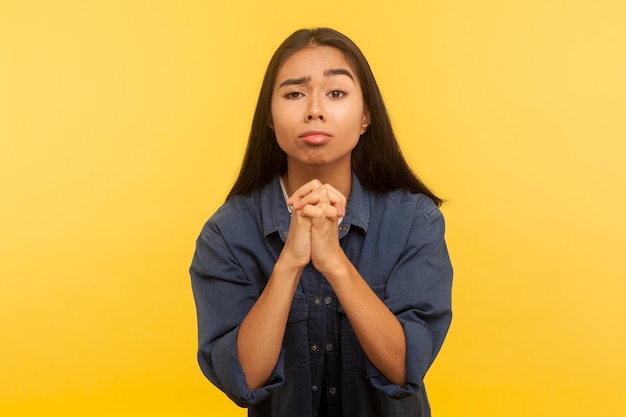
point(376, 160)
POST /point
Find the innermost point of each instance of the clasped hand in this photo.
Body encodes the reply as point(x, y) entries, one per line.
point(313, 234)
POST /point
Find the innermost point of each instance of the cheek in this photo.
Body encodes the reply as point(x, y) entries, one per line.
point(280, 128)
point(282, 117)
point(352, 119)
point(350, 112)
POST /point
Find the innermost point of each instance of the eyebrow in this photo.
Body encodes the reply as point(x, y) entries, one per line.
point(338, 71)
point(295, 81)
point(327, 73)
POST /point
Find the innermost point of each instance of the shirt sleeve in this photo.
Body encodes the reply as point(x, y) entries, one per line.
point(418, 292)
point(223, 297)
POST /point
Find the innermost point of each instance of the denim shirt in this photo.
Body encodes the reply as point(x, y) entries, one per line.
point(396, 242)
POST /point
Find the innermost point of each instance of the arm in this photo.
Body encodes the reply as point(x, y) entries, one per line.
point(236, 329)
point(418, 293)
point(379, 332)
point(402, 334)
point(262, 331)
point(223, 295)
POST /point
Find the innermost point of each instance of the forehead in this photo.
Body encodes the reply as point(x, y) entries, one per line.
point(312, 61)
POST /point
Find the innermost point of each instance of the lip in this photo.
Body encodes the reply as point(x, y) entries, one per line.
point(315, 137)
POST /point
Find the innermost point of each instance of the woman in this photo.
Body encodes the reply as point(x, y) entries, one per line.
point(323, 283)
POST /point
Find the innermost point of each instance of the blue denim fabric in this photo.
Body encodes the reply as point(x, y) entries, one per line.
point(395, 240)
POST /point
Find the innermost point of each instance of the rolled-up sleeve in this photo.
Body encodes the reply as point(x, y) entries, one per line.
point(223, 297)
point(418, 292)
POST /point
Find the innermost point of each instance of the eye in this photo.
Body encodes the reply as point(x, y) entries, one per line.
point(293, 95)
point(337, 93)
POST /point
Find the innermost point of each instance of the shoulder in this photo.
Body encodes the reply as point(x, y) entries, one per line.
point(237, 210)
point(235, 206)
point(403, 202)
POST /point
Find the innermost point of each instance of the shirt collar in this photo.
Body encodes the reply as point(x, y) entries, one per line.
point(276, 217)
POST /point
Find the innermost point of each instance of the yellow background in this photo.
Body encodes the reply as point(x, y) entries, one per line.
point(122, 126)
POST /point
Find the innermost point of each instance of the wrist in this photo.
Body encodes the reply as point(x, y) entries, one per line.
point(286, 266)
point(335, 268)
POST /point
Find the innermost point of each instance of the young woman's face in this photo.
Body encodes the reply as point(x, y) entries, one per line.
point(318, 113)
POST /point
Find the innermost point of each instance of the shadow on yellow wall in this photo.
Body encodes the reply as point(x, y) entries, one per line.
point(122, 125)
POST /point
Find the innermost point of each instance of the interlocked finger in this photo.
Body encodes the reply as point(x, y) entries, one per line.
point(314, 193)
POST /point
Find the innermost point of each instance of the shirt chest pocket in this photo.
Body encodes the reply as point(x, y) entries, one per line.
point(296, 340)
point(353, 357)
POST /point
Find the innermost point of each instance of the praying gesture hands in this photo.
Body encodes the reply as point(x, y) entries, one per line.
point(313, 235)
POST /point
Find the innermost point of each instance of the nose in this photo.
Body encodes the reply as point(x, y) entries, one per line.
point(315, 110)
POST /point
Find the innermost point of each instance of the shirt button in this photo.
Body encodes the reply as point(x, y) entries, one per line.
point(316, 301)
point(329, 347)
point(314, 388)
point(327, 300)
point(332, 390)
point(342, 228)
point(314, 348)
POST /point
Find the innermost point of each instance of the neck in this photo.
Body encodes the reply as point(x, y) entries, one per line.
point(341, 180)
